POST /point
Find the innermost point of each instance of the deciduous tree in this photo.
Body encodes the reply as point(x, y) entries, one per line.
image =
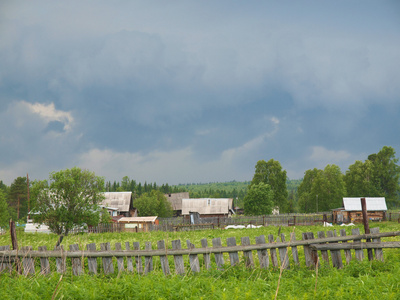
point(153, 203)
point(70, 198)
point(259, 199)
point(271, 173)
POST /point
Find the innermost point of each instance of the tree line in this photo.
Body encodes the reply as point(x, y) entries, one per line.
point(323, 190)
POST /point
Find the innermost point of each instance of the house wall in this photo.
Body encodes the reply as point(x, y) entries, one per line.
point(357, 217)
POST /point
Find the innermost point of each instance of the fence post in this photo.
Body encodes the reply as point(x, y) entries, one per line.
point(366, 225)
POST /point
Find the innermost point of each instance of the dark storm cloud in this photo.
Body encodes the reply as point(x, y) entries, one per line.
point(142, 89)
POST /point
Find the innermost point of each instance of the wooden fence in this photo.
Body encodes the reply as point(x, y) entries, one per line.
point(28, 261)
point(278, 220)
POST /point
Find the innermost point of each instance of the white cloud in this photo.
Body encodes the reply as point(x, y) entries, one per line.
point(179, 166)
point(322, 156)
point(50, 113)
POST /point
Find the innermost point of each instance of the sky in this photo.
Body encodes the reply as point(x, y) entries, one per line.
point(196, 91)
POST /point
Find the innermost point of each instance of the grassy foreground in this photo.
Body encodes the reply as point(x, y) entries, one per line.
point(359, 280)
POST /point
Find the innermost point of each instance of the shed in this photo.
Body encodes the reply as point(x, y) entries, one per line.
point(176, 201)
point(136, 224)
point(208, 207)
point(120, 202)
point(352, 211)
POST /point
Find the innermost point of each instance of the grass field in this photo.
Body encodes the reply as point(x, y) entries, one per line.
point(358, 280)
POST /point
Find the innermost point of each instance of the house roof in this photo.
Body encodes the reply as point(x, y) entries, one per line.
point(207, 206)
point(373, 204)
point(176, 199)
point(119, 200)
point(137, 219)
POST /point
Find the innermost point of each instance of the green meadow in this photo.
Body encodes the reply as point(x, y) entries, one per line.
point(358, 280)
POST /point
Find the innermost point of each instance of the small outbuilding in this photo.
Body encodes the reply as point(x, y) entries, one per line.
point(352, 211)
point(138, 224)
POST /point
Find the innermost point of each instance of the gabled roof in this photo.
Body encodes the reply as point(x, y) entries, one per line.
point(207, 206)
point(176, 199)
point(373, 204)
point(119, 200)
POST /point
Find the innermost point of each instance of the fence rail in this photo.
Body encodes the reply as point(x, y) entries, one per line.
point(28, 260)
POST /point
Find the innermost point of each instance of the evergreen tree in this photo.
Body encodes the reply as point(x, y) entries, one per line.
point(18, 199)
point(4, 214)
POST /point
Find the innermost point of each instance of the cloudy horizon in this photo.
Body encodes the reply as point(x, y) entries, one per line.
point(195, 91)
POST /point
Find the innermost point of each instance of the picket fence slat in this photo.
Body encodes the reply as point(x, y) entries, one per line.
point(283, 254)
point(262, 253)
point(120, 260)
point(248, 255)
point(347, 252)
point(138, 258)
point(219, 257)
point(193, 258)
point(129, 263)
point(206, 256)
point(148, 260)
point(163, 258)
point(178, 259)
point(274, 256)
point(359, 252)
point(378, 251)
point(92, 261)
point(233, 256)
point(108, 266)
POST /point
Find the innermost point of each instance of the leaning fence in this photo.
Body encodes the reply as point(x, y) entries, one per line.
point(175, 259)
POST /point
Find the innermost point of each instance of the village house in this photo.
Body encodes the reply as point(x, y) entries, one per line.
point(352, 211)
point(176, 201)
point(119, 204)
point(208, 207)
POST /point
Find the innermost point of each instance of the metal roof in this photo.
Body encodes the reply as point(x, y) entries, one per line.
point(373, 204)
point(137, 219)
point(207, 206)
point(176, 199)
point(119, 200)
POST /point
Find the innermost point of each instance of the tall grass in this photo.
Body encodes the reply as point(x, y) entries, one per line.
point(358, 280)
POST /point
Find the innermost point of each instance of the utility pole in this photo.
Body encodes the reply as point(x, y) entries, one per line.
point(317, 203)
point(27, 185)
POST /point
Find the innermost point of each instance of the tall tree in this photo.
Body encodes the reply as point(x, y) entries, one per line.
point(271, 173)
point(4, 214)
point(259, 199)
point(386, 174)
point(69, 199)
point(153, 203)
point(360, 180)
point(17, 199)
point(321, 190)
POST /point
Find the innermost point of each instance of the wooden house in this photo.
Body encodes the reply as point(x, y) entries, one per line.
point(208, 207)
point(176, 201)
point(352, 211)
point(138, 224)
point(119, 203)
